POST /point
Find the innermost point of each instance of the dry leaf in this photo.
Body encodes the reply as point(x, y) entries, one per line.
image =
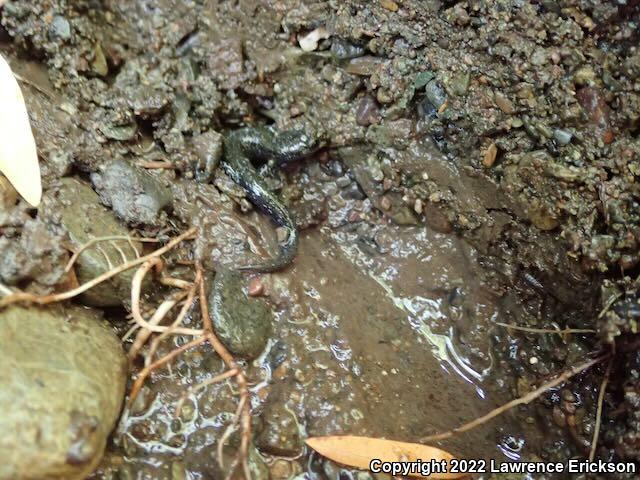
point(357, 452)
point(18, 154)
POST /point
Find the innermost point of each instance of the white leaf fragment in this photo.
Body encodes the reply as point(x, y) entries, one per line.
point(18, 154)
point(309, 42)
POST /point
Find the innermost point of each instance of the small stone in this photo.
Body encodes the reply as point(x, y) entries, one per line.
point(343, 181)
point(135, 195)
point(389, 5)
point(99, 63)
point(385, 203)
point(490, 154)
point(504, 103)
point(436, 95)
point(59, 28)
point(436, 219)
point(367, 112)
point(243, 323)
point(418, 206)
point(563, 137)
point(309, 42)
point(584, 76)
point(256, 287)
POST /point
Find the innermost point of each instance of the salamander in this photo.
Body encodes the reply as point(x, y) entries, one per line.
point(260, 144)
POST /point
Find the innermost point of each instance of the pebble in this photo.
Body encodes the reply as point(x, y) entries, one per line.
point(309, 42)
point(490, 154)
point(343, 181)
point(436, 95)
point(368, 111)
point(256, 287)
point(563, 137)
point(385, 203)
point(59, 28)
point(389, 5)
point(504, 103)
point(135, 195)
point(242, 322)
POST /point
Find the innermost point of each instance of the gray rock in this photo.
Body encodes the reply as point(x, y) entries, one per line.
point(243, 323)
point(61, 389)
point(136, 196)
point(60, 28)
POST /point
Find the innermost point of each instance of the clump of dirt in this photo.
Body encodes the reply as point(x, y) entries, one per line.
point(510, 125)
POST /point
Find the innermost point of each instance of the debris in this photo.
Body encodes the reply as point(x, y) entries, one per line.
point(359, 451)
point(18, 153)
point(309, 42)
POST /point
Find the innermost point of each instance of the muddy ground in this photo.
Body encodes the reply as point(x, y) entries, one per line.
point(481, 167)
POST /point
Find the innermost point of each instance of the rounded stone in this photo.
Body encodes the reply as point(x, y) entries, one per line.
point(61, 390)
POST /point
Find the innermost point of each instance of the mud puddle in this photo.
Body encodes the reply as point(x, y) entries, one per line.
point(402, 353)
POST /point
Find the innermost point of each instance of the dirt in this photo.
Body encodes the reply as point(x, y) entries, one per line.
point(481, 168)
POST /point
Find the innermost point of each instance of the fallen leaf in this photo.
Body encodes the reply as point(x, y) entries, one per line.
point(18, 154)
point(357, 452)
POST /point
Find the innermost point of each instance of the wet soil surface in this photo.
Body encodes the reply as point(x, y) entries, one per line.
point(480, 167)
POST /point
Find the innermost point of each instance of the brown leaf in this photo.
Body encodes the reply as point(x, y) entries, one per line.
point(357, 452)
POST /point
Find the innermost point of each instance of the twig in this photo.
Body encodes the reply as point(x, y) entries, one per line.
point(93, 241)
point(58, 297)
point(563, 377)
point(596, 428)
point(175, 282)
point(546, 330)
point(157, 164)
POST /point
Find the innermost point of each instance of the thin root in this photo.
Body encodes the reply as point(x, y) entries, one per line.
point(110, 238)
point(26, 297)
point(596, 429)
point(566, 331)
point(525, 399)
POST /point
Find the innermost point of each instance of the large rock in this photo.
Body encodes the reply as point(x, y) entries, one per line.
point(62, 384)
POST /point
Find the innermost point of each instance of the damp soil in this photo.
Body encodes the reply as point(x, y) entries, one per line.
point(479, 169)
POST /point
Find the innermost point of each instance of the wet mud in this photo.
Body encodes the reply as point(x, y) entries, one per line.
point(478, 169)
